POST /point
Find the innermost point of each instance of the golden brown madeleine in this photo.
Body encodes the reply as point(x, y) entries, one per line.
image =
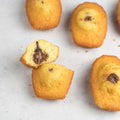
point(43, 14)
point(105, 82)
point(39, 52)
point(118, 11)
point(89, 25)
point(51, 81)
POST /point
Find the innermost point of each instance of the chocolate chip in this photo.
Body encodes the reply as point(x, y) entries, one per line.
point(51, 69)
point(113, 78)
point(88, 18)
point(42, 2)
point(39, 56)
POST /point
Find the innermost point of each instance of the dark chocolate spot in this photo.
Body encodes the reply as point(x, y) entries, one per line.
point(113, 78)
point(88, 18)
point(39, 56)
point(42, 2)
point(51, 69)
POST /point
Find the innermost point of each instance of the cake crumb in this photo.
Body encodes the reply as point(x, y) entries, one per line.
point(6, 111)
point(118, 45)
point(114, 40)
point(64, 101)
point(78, 51)
point(86, 51)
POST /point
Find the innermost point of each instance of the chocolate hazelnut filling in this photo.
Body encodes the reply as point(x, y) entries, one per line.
point(42, 2)
point(39, 56)
point(113, 78)
point(51, 69)
point(88, 18)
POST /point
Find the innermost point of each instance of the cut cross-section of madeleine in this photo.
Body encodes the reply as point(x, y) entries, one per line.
point(40, 52)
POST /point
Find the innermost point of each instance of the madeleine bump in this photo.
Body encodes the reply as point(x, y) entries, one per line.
point(39, 52)
point(89, 25)
point(52, 81)
point(43, 14)
point(105, 82)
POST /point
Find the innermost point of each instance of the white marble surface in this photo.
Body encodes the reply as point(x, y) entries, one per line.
point(17, 99)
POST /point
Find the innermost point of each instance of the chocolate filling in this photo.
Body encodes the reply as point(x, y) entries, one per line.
point(113, 78)
point(51, 69)
point(88, 18)
point(42, 2)
point(39, 56)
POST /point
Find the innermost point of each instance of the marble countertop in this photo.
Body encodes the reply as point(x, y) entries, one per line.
point(17, 99)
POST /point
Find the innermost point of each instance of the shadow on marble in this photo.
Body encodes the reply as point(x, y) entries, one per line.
point(23, 17)
point(87, 97)
point(66, 26)
point(114, 20)
point(67, 19)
